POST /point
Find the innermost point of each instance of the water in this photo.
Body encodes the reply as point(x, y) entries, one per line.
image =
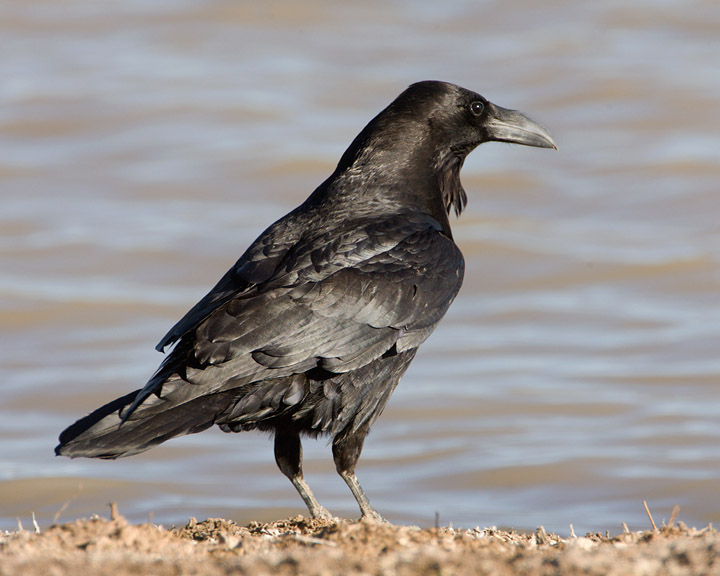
point(143, 146)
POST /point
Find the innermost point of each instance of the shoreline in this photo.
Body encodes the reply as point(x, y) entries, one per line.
point(313, 547)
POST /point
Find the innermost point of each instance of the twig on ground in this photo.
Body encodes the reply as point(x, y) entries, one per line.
point(311, 540)
point(541, 536)
point(35, 524)
point(66, 504)
point(673, 515)
point(655, 528)
point(572, 532)
point(113, 511)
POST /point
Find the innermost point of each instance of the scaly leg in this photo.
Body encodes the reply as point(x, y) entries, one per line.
point(346, 452)
point(288, 455)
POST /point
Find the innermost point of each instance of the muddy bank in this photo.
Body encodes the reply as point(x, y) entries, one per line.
point(309, 547)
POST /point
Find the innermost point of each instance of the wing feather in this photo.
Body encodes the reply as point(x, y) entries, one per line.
point(335, 301)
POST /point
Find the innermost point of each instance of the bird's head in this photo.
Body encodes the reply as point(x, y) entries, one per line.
point(426, 133)
point(459, 120)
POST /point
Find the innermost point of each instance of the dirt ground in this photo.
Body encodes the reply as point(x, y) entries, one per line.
point(311, 547)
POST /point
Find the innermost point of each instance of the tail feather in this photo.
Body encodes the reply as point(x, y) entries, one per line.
point(103, 434)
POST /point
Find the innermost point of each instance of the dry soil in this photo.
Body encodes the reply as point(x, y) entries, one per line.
point(311, 547)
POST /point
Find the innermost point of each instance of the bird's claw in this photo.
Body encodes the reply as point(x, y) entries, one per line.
point(372, 517)
point(321, 513)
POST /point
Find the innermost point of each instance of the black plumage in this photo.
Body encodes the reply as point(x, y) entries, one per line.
point(312, 328)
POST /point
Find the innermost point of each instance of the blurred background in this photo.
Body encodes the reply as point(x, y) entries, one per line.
point(144, 145)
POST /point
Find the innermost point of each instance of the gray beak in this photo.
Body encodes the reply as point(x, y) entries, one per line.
point(505, 125)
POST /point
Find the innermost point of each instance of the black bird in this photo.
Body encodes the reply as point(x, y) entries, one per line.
point(311, 329)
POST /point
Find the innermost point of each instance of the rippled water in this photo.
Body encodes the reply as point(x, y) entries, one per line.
point(143, 146)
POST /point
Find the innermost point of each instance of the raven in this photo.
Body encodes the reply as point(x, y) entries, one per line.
point(312, 328)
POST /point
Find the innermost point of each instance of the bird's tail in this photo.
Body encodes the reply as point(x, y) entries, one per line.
point(104, 434)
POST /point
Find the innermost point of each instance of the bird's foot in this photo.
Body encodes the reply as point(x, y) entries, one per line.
point(371, 517)
point(321, 513)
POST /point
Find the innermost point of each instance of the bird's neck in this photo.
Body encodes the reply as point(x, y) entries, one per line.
point(362, 189)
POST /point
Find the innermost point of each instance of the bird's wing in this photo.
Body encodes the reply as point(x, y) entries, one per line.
point(254, 267)
point(336, 303)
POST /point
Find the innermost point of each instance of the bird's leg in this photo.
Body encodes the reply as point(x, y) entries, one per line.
point(288, 455)
point(346, 451)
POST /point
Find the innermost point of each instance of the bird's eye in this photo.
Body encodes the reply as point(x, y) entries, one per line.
point(477, 107)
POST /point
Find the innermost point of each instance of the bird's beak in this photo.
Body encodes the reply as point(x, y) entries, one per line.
point(505, 125)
